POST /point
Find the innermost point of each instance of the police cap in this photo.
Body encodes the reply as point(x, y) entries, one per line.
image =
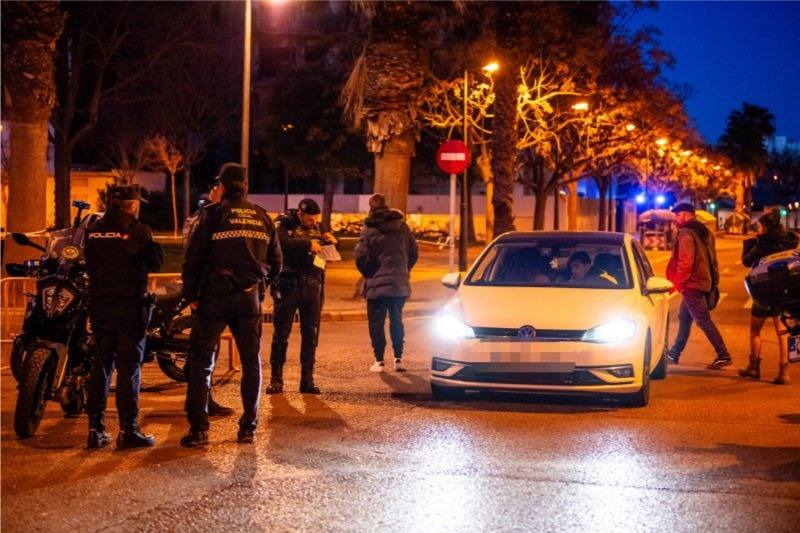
point(232, 175)
point(125, 193)
point(309, 207)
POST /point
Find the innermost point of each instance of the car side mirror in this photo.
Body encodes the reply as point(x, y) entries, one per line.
point(452, 280)
point(656, 285)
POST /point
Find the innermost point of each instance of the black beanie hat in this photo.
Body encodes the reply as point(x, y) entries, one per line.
point(309, 206)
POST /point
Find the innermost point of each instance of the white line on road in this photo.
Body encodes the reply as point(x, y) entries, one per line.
point(726, 270)
point(748, 304)
point(722, 296)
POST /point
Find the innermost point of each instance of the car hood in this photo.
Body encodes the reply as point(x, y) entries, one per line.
point(543, 307)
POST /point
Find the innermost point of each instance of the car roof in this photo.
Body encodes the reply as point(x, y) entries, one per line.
point(588, 237)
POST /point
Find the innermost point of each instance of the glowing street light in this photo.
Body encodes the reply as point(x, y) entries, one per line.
point(640, 198)
point(660, 199)
point(704, 160)
point(661, 142)
point(490, 68)
point(581, 106)
point(630, 126)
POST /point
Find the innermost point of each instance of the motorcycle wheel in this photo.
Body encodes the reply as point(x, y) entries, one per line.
point(173, 364)
point(34, 388)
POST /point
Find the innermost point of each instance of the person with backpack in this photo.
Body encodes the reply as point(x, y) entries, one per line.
point(771, 239)
point(694, 272)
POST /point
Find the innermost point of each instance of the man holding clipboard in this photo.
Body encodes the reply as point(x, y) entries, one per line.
point(306, 247)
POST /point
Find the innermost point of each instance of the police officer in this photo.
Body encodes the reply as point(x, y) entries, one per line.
point(214, 195)
point(230, 257)
point(119, 253)
point(299, 288)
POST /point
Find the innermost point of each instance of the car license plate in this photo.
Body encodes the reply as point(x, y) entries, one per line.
point(794, 348)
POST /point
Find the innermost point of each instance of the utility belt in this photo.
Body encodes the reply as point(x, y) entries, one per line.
point(219, 284)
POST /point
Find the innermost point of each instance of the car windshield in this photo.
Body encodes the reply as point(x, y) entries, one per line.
point(553, 262)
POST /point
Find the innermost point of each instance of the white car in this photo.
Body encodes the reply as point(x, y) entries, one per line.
point(559, 312)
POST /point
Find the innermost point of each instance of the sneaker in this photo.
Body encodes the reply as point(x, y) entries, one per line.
point(720, 362)
point(399, 366)
point(672, 358)
point(377, 367)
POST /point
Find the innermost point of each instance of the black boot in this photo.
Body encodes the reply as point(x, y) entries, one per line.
point(98, 436)
point(215, 409)
point(276, 380)
point(131, 437)
point(307, 381)
point(194, 438)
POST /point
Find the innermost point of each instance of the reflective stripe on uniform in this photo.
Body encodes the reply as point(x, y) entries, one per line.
point(239, 233)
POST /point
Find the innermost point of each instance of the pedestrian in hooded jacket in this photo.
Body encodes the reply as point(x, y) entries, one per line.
point(385, 254)
point(771, 239)
point(693, 270)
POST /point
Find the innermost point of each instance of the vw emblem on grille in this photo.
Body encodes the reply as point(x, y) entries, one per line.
point(526, 333)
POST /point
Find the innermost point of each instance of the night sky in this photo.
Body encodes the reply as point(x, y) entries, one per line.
point(733, 52)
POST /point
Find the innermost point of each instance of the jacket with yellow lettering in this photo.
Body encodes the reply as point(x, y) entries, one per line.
point(119, 254)
point(235, 239)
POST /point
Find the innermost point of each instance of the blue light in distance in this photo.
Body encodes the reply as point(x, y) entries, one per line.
point(640, 198)
point(660, 199)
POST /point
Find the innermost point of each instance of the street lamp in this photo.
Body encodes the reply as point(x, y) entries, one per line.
point(487, 69)
point(661, 141)
point(581, 106)
point(630, 127)
point(248, 49)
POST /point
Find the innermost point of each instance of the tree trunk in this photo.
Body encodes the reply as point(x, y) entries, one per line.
point(392, 169)
point(187, 192)
point(174, 192)
point(484, 166)
point(62, 160)
point(504, 149)
point(540, 209)
point(327, 200)
point(470, 213)
point(572, 206)
point(27, 184)
point(602, 185)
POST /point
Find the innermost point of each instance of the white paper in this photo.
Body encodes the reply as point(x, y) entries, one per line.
point(330, 253)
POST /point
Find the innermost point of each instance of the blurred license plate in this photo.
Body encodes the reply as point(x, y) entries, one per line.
point(794, 348)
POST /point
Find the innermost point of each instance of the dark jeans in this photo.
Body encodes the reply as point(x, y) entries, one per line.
point(304, 295)
point(694, 308)
point(242, 313)
point(119, 332)
point(376, 314)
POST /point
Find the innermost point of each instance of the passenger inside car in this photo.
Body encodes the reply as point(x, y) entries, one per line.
point(581, 269)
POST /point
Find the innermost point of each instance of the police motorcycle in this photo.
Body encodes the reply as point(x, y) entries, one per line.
point(51, 358)
point(168, 332)
point(775, 283)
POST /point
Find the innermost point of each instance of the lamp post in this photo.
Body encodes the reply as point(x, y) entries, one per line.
point(248, 48)
point(464, 222)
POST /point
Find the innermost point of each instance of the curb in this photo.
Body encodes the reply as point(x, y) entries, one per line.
point(355, 315)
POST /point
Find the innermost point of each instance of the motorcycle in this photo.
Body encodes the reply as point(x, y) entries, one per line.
point(52, 356)
point(168, 333)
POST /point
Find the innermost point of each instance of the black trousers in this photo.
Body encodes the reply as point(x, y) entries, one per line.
point(241, 312)
point(119, 330)
point(304, 295)
point(376, 314)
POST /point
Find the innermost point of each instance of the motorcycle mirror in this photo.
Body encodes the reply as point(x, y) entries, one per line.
point(23, 240)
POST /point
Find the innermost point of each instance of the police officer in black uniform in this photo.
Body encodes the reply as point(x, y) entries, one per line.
point(231, 257)
point(300, 287)
point(119, 253)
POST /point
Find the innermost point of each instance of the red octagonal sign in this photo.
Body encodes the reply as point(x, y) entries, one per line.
point(453, 157)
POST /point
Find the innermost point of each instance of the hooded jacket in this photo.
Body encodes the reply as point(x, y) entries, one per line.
point(385, 254)
point(755, 249)
point(693, 264)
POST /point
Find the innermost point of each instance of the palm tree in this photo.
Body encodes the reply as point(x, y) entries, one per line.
point(383, 92)
point(30, 30)
point(743, 142)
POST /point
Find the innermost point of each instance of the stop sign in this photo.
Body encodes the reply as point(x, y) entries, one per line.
point(453, 157)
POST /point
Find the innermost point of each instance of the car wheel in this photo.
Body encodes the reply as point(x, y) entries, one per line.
point(660, 371)
point(642, 396)
point(447, 393)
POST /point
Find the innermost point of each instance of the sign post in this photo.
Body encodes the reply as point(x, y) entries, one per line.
point(453, 157)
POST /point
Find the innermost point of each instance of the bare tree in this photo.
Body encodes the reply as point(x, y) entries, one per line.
point(168, 158)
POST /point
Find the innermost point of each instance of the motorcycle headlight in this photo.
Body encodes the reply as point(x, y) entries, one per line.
point(55, 300)
point(615, 331)
point(449, 327)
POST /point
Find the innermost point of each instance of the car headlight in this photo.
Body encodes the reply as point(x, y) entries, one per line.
point(615, 331)
point(449, 327)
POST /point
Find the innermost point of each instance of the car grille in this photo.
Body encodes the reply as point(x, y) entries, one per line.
point(541, 334)
point(576, 377)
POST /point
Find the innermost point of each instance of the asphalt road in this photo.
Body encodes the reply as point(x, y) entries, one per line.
point(710, 453)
